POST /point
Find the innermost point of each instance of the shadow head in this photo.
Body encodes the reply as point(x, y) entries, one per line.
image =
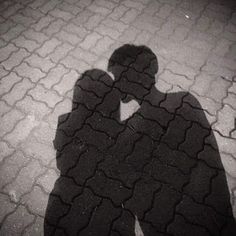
point(134, 68)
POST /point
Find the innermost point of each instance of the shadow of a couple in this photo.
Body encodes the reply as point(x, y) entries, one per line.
point(161, 166)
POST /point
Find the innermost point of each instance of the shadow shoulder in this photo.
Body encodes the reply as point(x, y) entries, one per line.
point(185, 97)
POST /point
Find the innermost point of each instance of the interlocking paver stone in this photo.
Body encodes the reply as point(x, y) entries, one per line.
point(13, 32)
point(25, 179)
point(71, 38)
point(40, 151)
point(11, 10)
point(18, 91)
point(24, 20)
point(67, 82)
point(39, 62)
point(5, 150)
point(23, 42)
point(36, 228)
point(6, 51)
point(54, 76)
point(41, 94)
point(25, 70)
point(10, 168)
point(15, 59)
point(8, 81)
point(99, 9)
point(39, 37)
point(9, 120)
point(42, 23)
point(49, 5)
point(29, 106)
point(6, 206)
point(21, 130)
point(47, 180)
point(54, 27)
point(13, 225)
point(48, 47)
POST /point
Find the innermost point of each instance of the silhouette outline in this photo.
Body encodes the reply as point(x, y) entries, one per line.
point(161, 166)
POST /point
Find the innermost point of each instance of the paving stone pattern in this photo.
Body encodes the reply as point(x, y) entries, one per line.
point(45, 46)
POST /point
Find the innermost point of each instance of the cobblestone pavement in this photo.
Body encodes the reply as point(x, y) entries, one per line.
point(46, 45)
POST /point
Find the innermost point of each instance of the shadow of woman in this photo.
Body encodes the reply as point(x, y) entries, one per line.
point(82, 139)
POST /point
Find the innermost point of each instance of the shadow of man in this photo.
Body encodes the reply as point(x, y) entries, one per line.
point(182, 188)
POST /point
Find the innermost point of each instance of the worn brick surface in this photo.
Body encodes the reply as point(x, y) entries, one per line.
point(45, 46)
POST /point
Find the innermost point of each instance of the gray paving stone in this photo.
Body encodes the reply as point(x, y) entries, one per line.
point(8, 81)
point(90, 41)
point(35, 229)
point(102, 46)
point(9, 120)
point(129, 35)
point(93, 21)
point(47, 181)
point(54, 76)
point(6, 51)
point(5, 151)
point(23, 20)
point(22, 42)
point(39, 37)
point(80, 31)
point(16, 222)
point(54, 27)
point(36, 201)
point(231, 100)
point(103, 30)
point(24, 70)
point(10, 168)
point(15, 59)
point(66, 37)
point(18, 91)
point(99, 9)
point(49, 5)
point(41, 94)
point(29, 106)
point(11, 10)
point(145, 22)
point(178, 80)
point(43, 22)
point(24, 180)
point(71, 8)
point(44, 64)
point(67, 82)
point(118, 12)
point(133, 4)
point(21, 130)
point(225, 120)
point(36, 4)
point(44, 153)
point(6, 207)
point(74, 63)
point(66, 16)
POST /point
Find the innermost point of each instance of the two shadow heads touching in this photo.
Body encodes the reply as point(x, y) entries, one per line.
point(158, 172)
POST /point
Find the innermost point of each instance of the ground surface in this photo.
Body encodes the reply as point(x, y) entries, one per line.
point(46, 45)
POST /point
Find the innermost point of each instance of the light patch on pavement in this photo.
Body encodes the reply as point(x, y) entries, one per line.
point(137, 228)
point(128, 109)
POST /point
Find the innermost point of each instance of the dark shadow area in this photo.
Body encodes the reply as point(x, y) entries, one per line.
point(161, 166)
